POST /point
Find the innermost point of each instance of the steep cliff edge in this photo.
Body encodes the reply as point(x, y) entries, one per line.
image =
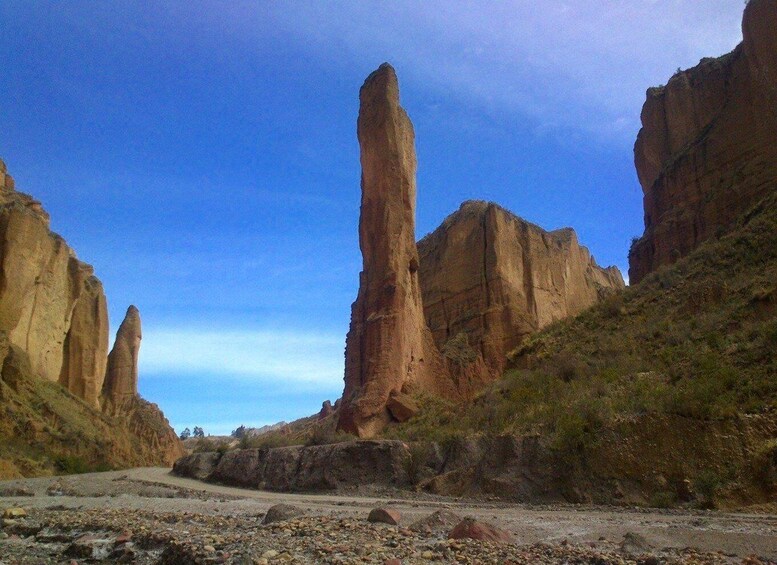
point(54, 328)
point(707, 150)
point(389, 349)
point(489, 279)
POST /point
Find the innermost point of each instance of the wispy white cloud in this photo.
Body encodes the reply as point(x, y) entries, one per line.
point(580, 65)
point(278, 356)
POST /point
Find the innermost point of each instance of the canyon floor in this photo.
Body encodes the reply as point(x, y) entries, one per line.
point(147, 515)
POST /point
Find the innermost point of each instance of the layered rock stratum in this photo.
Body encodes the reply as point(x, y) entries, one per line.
point(489, 279)
point(54, 328)
point(707, 150)
point(389, 348)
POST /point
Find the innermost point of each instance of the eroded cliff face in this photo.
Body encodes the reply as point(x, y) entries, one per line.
point(54, 328)
point(389, 349)
point(707, 150)
point(51, 305)
point(490, 278)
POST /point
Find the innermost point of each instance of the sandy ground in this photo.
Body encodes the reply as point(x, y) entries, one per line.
point(156, 490)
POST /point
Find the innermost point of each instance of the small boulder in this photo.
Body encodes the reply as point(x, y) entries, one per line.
point(402, 407)
point(472, 529)
point(282, 512)
point(12, 513)
point(384, 516)
point(634, 544)
point(440, 521)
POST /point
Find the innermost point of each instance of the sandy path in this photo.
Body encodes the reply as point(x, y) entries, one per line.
point(732, 534)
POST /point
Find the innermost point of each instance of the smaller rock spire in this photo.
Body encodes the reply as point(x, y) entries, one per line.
point(121, 378)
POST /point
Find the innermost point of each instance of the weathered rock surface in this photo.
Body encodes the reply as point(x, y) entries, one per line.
point(54, 329)
point(489, 279)
point(281, 513)
point(469, 528)
point(707, 150)
point(389, 349)
point(121, 379)
point(300, 468)
point(51, 306)
point(384, 516)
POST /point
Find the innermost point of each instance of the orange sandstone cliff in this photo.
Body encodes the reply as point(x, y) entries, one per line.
point(707, 150)
point(54, 328)
point(490, 278)
point(440, 316)
point(389, 349)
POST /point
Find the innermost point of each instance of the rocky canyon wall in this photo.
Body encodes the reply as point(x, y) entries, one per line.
point(54, 323)
point(707, 150)
point(489, 279)
point(52, 307)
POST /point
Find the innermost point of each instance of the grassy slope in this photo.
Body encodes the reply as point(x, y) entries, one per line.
point(690, 348)
point(44, 429)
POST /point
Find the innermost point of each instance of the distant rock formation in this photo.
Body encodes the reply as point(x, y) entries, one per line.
point(707, 150)
point(489, 279)
point(482, 281)
point(54, 325)
point(121, 379)
point(389, 348)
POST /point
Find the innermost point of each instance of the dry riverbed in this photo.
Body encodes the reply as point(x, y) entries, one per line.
point(149, 516)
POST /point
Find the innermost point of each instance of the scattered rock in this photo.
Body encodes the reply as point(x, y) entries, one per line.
point(14, 513)
point(402, 407)
point(635, 544)
point(384, 516)
point(469, 528)
point(16, 491)
point(282, 512)
point(439, 521)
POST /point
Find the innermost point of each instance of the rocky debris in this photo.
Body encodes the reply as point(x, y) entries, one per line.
point(489, 279)
point(402, 407)
point(384, 516)
point(706, 152)
point(13, 513)
point(635, 544)
point(174, 538)
point(295, 468)
point(389, 348)
point(469, 528)
point(121, 380)
point(437, 522)
point(282, 512)
point(15, 491)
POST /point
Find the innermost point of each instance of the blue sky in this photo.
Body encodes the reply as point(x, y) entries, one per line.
point(203, 157)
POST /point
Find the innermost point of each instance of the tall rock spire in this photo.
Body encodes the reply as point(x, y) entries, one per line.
point(389, 348)
point(121, 378)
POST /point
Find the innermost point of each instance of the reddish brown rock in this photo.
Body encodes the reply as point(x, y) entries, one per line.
point(384, 516)
point(121, 379)
point(490, 278)
point(470, 528)
point(326, 410)
point(389, 349)
point(402, 407)
point(707, 150)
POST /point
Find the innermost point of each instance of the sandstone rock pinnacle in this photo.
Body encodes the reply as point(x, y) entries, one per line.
point(121, 379)
point(388, 348)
